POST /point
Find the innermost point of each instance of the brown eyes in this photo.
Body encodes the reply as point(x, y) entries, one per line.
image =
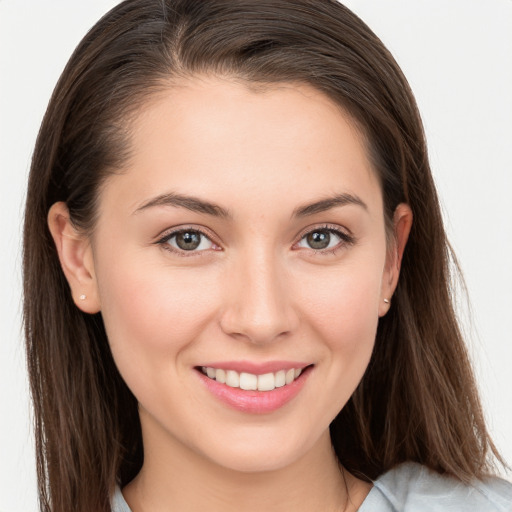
point(320, 239)
point(326, 239)
point(195, 241)
point(188, 240)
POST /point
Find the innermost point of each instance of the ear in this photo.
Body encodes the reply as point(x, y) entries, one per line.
point(402, 222)
point(76, 258)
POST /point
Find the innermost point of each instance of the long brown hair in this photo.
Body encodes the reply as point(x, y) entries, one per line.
point(417, 400)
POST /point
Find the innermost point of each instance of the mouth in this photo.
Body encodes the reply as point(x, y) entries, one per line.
point(250, 381)
point(260, 392)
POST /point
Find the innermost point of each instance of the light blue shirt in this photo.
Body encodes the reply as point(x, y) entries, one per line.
point(411, 487)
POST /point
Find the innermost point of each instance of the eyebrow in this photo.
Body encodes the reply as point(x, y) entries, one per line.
point(189, 202)
point(201, 206)
point(326, 204)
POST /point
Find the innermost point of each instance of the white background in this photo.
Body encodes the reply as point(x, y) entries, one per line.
point(457, 55)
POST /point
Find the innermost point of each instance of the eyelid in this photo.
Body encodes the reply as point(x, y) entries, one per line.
point(166, 235)
point(346, 236)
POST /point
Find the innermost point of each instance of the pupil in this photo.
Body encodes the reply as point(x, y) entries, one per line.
point(319, 239)
point(188, 241)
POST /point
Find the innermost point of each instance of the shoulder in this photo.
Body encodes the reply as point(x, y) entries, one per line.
point(118, 502)
point(411, 487)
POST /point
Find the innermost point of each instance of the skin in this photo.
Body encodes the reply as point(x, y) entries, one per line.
point(254, 290)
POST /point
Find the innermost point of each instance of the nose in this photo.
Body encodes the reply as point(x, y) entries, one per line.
point(258, 306)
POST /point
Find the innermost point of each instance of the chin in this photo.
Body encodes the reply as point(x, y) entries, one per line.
point(256, 463)
point(262, 451)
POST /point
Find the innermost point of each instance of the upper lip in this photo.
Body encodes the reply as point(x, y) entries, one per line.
point(255, 368)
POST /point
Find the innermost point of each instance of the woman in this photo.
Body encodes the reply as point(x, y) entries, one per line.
point(236, 274)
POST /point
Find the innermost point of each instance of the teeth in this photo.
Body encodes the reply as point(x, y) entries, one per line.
point(232, 379)
point(280, 378)
point(248, 381)
point(266, 382)
point(251, 382)
point(220, 375)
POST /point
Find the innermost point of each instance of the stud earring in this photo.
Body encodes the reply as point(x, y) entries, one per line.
point(83, 297)
point(386, 301)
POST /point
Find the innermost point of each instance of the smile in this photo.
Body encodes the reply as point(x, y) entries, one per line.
point(250, 381)
point(253, 388)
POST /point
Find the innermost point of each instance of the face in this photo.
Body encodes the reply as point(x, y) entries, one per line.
point(245, 239)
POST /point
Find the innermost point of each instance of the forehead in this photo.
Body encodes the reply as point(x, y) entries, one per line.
point(212, 136)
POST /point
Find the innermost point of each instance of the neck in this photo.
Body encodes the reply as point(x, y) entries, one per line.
point(176, 478)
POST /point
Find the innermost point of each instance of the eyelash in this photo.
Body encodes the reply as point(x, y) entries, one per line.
point(163, 241)
point(345, 240)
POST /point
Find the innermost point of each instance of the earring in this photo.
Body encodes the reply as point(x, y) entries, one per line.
point(386, 301)
point(83, 297)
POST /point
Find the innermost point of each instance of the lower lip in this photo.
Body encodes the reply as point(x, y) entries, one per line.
point(255, 402)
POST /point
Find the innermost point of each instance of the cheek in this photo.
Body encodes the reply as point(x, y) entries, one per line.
point(344, 302)
point(151, 313)
point(342, 310)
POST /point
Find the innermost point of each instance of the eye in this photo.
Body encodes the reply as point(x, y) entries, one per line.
point(187, 240)
point(322, 239)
